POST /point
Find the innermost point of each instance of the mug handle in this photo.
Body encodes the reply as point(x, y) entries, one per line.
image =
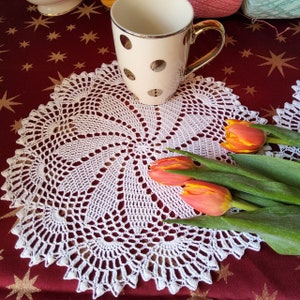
point(199, 28)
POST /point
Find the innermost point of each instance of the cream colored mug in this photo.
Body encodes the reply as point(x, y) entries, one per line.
point(152, 39)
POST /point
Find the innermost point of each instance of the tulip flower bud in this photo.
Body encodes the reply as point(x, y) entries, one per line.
point(241, 138)
point(108, 3)
point(208, 198)
point(157, 170)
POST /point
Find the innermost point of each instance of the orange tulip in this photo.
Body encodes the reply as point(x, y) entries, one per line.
point(241, 138)
point(108, 3)
point(208, 198)
point(157, 171)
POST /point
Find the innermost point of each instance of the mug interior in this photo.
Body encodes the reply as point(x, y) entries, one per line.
point(152, 17)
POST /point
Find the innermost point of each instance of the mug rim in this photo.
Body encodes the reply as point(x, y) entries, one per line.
point(151, 36)
point(131, 32)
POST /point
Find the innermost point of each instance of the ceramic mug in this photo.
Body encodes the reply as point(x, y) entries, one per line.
point(152, 40)
point(55, 7)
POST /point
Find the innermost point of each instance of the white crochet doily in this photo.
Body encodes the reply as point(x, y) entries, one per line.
point(86, 201)
point(289, 117)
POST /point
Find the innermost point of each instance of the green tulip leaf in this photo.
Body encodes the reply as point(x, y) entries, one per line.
point(260, 201)
point(278, 226)
point(285, 136)
point(216, 165)
point(266, 189)
point(279, 169)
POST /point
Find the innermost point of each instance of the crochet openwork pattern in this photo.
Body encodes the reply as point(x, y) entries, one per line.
point(86, 202)
point(289, 117)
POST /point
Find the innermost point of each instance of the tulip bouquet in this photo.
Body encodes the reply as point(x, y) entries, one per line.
point(264, 189)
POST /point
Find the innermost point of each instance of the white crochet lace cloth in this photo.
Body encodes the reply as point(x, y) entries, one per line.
point(86, 202)
point(289, 117)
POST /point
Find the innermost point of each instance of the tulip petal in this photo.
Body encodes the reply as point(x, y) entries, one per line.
point(157, 170)
point(206, 197)
point(233, 148)
point(241, 138)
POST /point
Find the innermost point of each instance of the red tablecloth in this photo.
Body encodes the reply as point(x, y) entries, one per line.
point(37, 52)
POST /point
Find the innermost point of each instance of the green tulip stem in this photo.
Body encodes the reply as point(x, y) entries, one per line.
point(243, 205)
point(275, 140)
point(287, 136)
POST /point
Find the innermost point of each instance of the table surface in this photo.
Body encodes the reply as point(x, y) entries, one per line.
point(37, 52)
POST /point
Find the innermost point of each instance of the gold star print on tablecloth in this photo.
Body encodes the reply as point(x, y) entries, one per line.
point(55, 81)
point(12, 30)
point(8, 103)
point(298, 266)
point(103, 50)
point(86, 10)
point(266, 295)
point(250, 90)
point(31, 8)
point(87, 37)
point(246, 53)
point(70, 27)
point(53, 36)
point(224, 273)
point(12, 213)
point(23, 287)
point(198, 295)
point(40, 21)
point(277, 61)
point(79, 65)
point(228, 70)
point(16, 125)
point(2, 51)
point(269, 112)
point(229, 40)
point(255, 26)
point(27, 67)
point(295, 27)
point(24, 44)
point(281, 38)
point(57, 56)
